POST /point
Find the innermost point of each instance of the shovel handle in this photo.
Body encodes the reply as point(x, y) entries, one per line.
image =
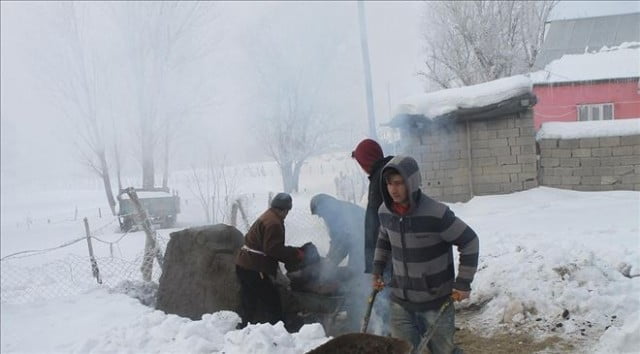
point(424, 341)
point(367, 315)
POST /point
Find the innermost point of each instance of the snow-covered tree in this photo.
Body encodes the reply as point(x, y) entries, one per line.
point(469, 42)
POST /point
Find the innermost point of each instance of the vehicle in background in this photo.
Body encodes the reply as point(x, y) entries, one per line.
point(161, 204)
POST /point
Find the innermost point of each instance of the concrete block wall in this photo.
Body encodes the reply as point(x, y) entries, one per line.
point(442, 155)
point(591, 164)
point(503, 154)
point(503, 157)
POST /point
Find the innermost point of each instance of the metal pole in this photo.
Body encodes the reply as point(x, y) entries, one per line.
point(367, 70)
point(94, 264)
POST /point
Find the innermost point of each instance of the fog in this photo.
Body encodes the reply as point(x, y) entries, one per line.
point(221, 80)
point(215, 89)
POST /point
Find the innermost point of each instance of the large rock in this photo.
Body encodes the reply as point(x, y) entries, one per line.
point(199, 272)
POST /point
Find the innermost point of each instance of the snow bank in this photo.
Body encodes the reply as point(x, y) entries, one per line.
point(214, 333)
point(441, 102)
point(625, 339)
point(608, 63)
point(113, 323)
point(550, 260)
point(591, 129)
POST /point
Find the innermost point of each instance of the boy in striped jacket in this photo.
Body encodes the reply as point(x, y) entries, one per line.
point(417, 234)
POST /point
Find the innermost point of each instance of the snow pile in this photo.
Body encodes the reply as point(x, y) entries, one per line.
point(609, 63)
point(550, 260)
point(441, 102)
point(145, 292)
point(590, 129)
point(621, 340)
point(116, 323)
point(157, 332)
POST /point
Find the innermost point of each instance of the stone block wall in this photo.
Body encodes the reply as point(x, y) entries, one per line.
point(498, 156)
point(591, 164)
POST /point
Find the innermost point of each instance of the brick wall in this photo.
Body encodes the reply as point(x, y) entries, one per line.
point(503, 156)
point(591, 164)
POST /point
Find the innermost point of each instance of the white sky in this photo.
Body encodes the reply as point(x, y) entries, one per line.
point(36, 140)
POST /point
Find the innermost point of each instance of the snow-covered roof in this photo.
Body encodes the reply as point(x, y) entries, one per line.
point(591, 129)
point(435, 104)
point(608, 63)
point(573, 36)
point(148, 194)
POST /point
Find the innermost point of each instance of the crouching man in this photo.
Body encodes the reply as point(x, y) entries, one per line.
point(257, 262)
point(417, 234)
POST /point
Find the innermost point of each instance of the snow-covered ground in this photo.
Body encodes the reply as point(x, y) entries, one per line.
point(551, 263)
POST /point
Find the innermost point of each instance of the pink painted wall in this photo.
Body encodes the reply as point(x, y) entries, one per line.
point(558, 103)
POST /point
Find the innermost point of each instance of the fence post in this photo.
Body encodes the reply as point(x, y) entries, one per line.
point(234, 214)
point(213, 210)
point(94, 264)
point(242, 213)
point(150, 244)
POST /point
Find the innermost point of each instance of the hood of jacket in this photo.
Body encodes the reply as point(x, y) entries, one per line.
point(410, 172)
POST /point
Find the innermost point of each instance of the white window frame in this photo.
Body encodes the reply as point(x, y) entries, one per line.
point(594, 111)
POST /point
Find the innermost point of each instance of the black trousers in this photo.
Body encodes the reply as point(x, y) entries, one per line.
point(258, 292)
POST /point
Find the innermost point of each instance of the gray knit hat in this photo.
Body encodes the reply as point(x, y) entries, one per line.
point(282, 201)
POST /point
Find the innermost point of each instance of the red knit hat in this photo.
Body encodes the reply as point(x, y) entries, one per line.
point(367, 153)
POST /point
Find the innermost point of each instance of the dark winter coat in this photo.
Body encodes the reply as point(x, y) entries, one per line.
point(266, 235)
point(345, 223)
point(419, 244)
point(371, 220)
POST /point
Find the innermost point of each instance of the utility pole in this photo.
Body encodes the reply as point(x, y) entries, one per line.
point(367, 70)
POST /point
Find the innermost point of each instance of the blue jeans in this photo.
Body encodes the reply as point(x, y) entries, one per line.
point(411, 326)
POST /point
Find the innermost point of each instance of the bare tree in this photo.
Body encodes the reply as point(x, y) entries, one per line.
point(469, 42)
point(298, 72)
point(293, 135)
point(214, 188)
point(79, 79)
point(200, 183)
point(166, 41)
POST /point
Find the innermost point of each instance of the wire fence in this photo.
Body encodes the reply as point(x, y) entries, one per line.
point(73, 273)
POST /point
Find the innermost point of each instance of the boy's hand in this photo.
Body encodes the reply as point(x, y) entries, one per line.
point(459, 295)
point(377, 282)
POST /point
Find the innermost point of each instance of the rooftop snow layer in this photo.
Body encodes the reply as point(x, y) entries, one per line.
point(148, 194)
point(441, 102)
point(609, 63)
point(592, 129)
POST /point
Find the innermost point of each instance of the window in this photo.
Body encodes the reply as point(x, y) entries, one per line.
point(603, 111)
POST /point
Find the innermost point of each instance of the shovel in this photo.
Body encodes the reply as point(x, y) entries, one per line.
point(367, 315)
point(432, 329)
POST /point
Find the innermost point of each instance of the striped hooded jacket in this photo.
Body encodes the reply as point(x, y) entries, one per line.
point(420, 245)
